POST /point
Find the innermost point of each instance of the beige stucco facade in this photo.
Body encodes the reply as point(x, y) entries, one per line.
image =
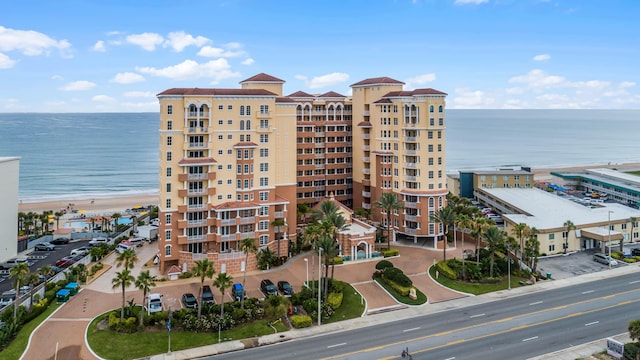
point(9, 181)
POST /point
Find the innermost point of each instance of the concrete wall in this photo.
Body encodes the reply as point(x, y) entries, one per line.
point(9, 172)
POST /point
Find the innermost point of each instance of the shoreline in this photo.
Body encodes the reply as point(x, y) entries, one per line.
point(119, 202)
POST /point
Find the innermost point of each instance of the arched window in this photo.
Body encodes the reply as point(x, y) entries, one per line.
point(248, 124)
point(167, 250)
point(430, 202)
point(431, 109)
point(193, 109)
point(242, 110)
point(241, 124)
point(248, 110)
point(440, 108)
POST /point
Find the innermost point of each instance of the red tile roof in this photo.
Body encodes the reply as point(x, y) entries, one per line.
point(428, 91)
point(382, 101)
point(364, 124)
point(300, 94)
point(245, 144)
point(262, 77)
point(381, 152)
point(284, 100)
point(332, 94)
point(236, 205)
point(376, 81)
point(215, 92)
point(197, 161)
point(174, 269)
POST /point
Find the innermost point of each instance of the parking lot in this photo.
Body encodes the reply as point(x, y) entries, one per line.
point(574, 264)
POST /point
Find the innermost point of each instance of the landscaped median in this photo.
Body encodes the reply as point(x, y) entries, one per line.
point(448, 274)
point(397, 284)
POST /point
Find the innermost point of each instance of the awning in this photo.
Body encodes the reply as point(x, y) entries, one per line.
point(82, 211)
point(137, 207)
point(601, 234)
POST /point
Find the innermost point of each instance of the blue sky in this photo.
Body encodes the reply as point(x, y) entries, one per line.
point(114, 56)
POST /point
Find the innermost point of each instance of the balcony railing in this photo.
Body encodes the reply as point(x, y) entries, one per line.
point(366, 193)
point(411, 178)
point(365, 113)
point(198, 113)
point(366, 171)
point(319, 134)
point(197, 176)
point(197, 207)
point(196, 222)
point(279, 214)
point(410, 231)
point(366, 206)
point(197, 129)
point(228, 237)
point(229, 221)
point(410, 165)
point(410, 139)
point(196, 191)
point(410, 152)
point(196, 145)
point(248, 220)
point(410, 218)
point(410, 205)
point(366, 159)
point(366, 147)
point(230, 255)
point(366, 136)
point(247, 235)
point(196, 238)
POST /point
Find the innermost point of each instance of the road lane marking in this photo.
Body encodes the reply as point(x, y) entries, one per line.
point(588, 292)
point(473, 316)
point(412, 329)
point(404, 342)
point(529, 339)
point(336, 345)
point(592, 323)
point(451, 358)
point(634, 282)
point(536, 303)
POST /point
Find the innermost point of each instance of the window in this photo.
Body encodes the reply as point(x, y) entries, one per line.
point(169, 125)
point(264, 138)
point(167, 250)
point(248, 109)
point(264, 181)
point(241, 113)
point(264, 124)
point(264, 240)
point(168, 172)
point(263, 225)
point(220, 152)
point(169, 140)
point(168, 155)
point(220, 107)
point(229, 107)
point(169, 187)
point(168, 204)
point(264, 167)
point(264, 153)
point(552, 247)
point(229, 122)
point(229, 137)
point(242, 121)
point(431, 108)
point(248, 124)
point(167, 219)
point(220, 122)
point(264, 196)
point(169, 109)
point(552, 237)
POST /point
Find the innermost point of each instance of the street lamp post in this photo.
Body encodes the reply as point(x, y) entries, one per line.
point(306, 263)
point(609, 229)
point(319, 283)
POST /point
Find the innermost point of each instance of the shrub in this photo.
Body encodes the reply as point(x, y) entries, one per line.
point(390, 252)
point(301, 321)
point(129, 325)
point(402, 290)
point(335, 300)
point(185, 275)
point(382, 265)
point(445, 270)
point(396, 275)
point(336, 261)
point(629, 260)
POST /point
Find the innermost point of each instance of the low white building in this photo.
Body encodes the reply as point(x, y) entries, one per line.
point(9, 173)
point(596, 225)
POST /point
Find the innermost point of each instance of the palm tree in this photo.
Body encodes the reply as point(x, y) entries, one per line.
point(203, 269)
point(302, 211)
point(32, 280)
point(463, 221)
point(58, 215)
point(144, 282)
point(278, 225)
point(248, 246)
point(115, 216)
point(521, 230)
point(446, 216)
point(329, 252)
point(494, 238)
point(479, 225)
point(18, 273)
point(122, 279)
point(388, 202)
point(127, 258)
point(45, 271)
point(569, 226)
point(21, 218)
point(634, 329)
point(633, 220)
point(532, 250)
point(223, 282)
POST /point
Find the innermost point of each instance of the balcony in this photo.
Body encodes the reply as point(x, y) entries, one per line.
point(319, 156)
point(410, 218)
point(411, 178)
point(366, 193)
point(228, 237)
point(197, 145)
point(319, 188)
point(200, 222)
point(366, 147)
point(196, 191)
point(194, 238)
point(193, 114)
point(366, 159)
point(248, 220)
point(410, 139)
point(410, 165)
point(320, 145)
point(366, 113)
point(319, 166)
point(247, 235)
point(197, 207)
point(366, 171)
point(366, 206)
point(264, 114)
point(279, 214)
point(198, 130)
point(263, 129)
point(229, 221)
point(410, 231)
point(319, 134)
point(410, 152)
point(410, 205)
point(230, 255)
point(366, 136)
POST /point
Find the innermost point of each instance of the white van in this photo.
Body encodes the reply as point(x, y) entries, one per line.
point(154, 303)
point(124, 247)
point(604, 259)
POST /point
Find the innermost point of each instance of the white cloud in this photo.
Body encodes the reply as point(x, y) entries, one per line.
point(140, 94)
point(180, 40)
point(539, 79)
point(78, 86)
point(147, 41)
point(542, 57)
point(190, 70)
point(469, 99)
point(324, 80)
point(103, 98)
point(140, 106)
point(6, 62)
point(210, 51)
point(30, 43)
point(127, 78)
point(419, 80)
point(99, 46)
point(57, 77)
point(248, 61)
point(474, 2)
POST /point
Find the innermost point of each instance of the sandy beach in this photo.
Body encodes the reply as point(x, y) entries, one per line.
point(104, 206)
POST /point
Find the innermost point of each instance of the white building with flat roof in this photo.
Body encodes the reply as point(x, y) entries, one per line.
point(9, 172)
point(595, 224)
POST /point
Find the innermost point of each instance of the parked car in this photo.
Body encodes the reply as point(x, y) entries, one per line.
point(189, 301)
point(268, 288)
point(237, 292)
point(80, 251)
point(60, 241)
point(604, 259)
point(99, 240)
point(635, 252)
point(207, 295)
point(13, 262)
point(5, 300)
point(66, 261)
point(285, 288)
point(45, 246)
point(122, 247)
point(154, 303)
point(136, 241)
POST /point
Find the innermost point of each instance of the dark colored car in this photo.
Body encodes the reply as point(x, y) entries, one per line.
point(45, 246)
point(237, 292)
point(207, 295)
point(60, 241)
point(189, 301)
point(635, 252)
point(268, 288)
point(285, 288)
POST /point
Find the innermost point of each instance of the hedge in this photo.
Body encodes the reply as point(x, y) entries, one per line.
point(390, 252)
point(129, 325)
point(382, 265)
point(336, 261)
point(445, 270)
point(335, 299)
point(396, 275)
point(402, 290)
point(301, 321)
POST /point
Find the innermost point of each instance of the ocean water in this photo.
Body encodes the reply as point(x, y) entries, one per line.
point(84, 156)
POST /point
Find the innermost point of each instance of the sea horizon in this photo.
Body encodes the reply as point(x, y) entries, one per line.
point(115, 154)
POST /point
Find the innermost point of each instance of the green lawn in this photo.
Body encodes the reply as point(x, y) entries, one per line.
point(352, 305)
point(636, 173)
point(19, 344)
point(476, 288)
point(111, 345)
point(422, 298)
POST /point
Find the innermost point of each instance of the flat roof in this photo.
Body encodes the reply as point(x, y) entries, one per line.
point(614, 178)
point(8, 158)
point(548, 211)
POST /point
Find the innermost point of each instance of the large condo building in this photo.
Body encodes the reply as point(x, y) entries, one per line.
point(235, 163)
